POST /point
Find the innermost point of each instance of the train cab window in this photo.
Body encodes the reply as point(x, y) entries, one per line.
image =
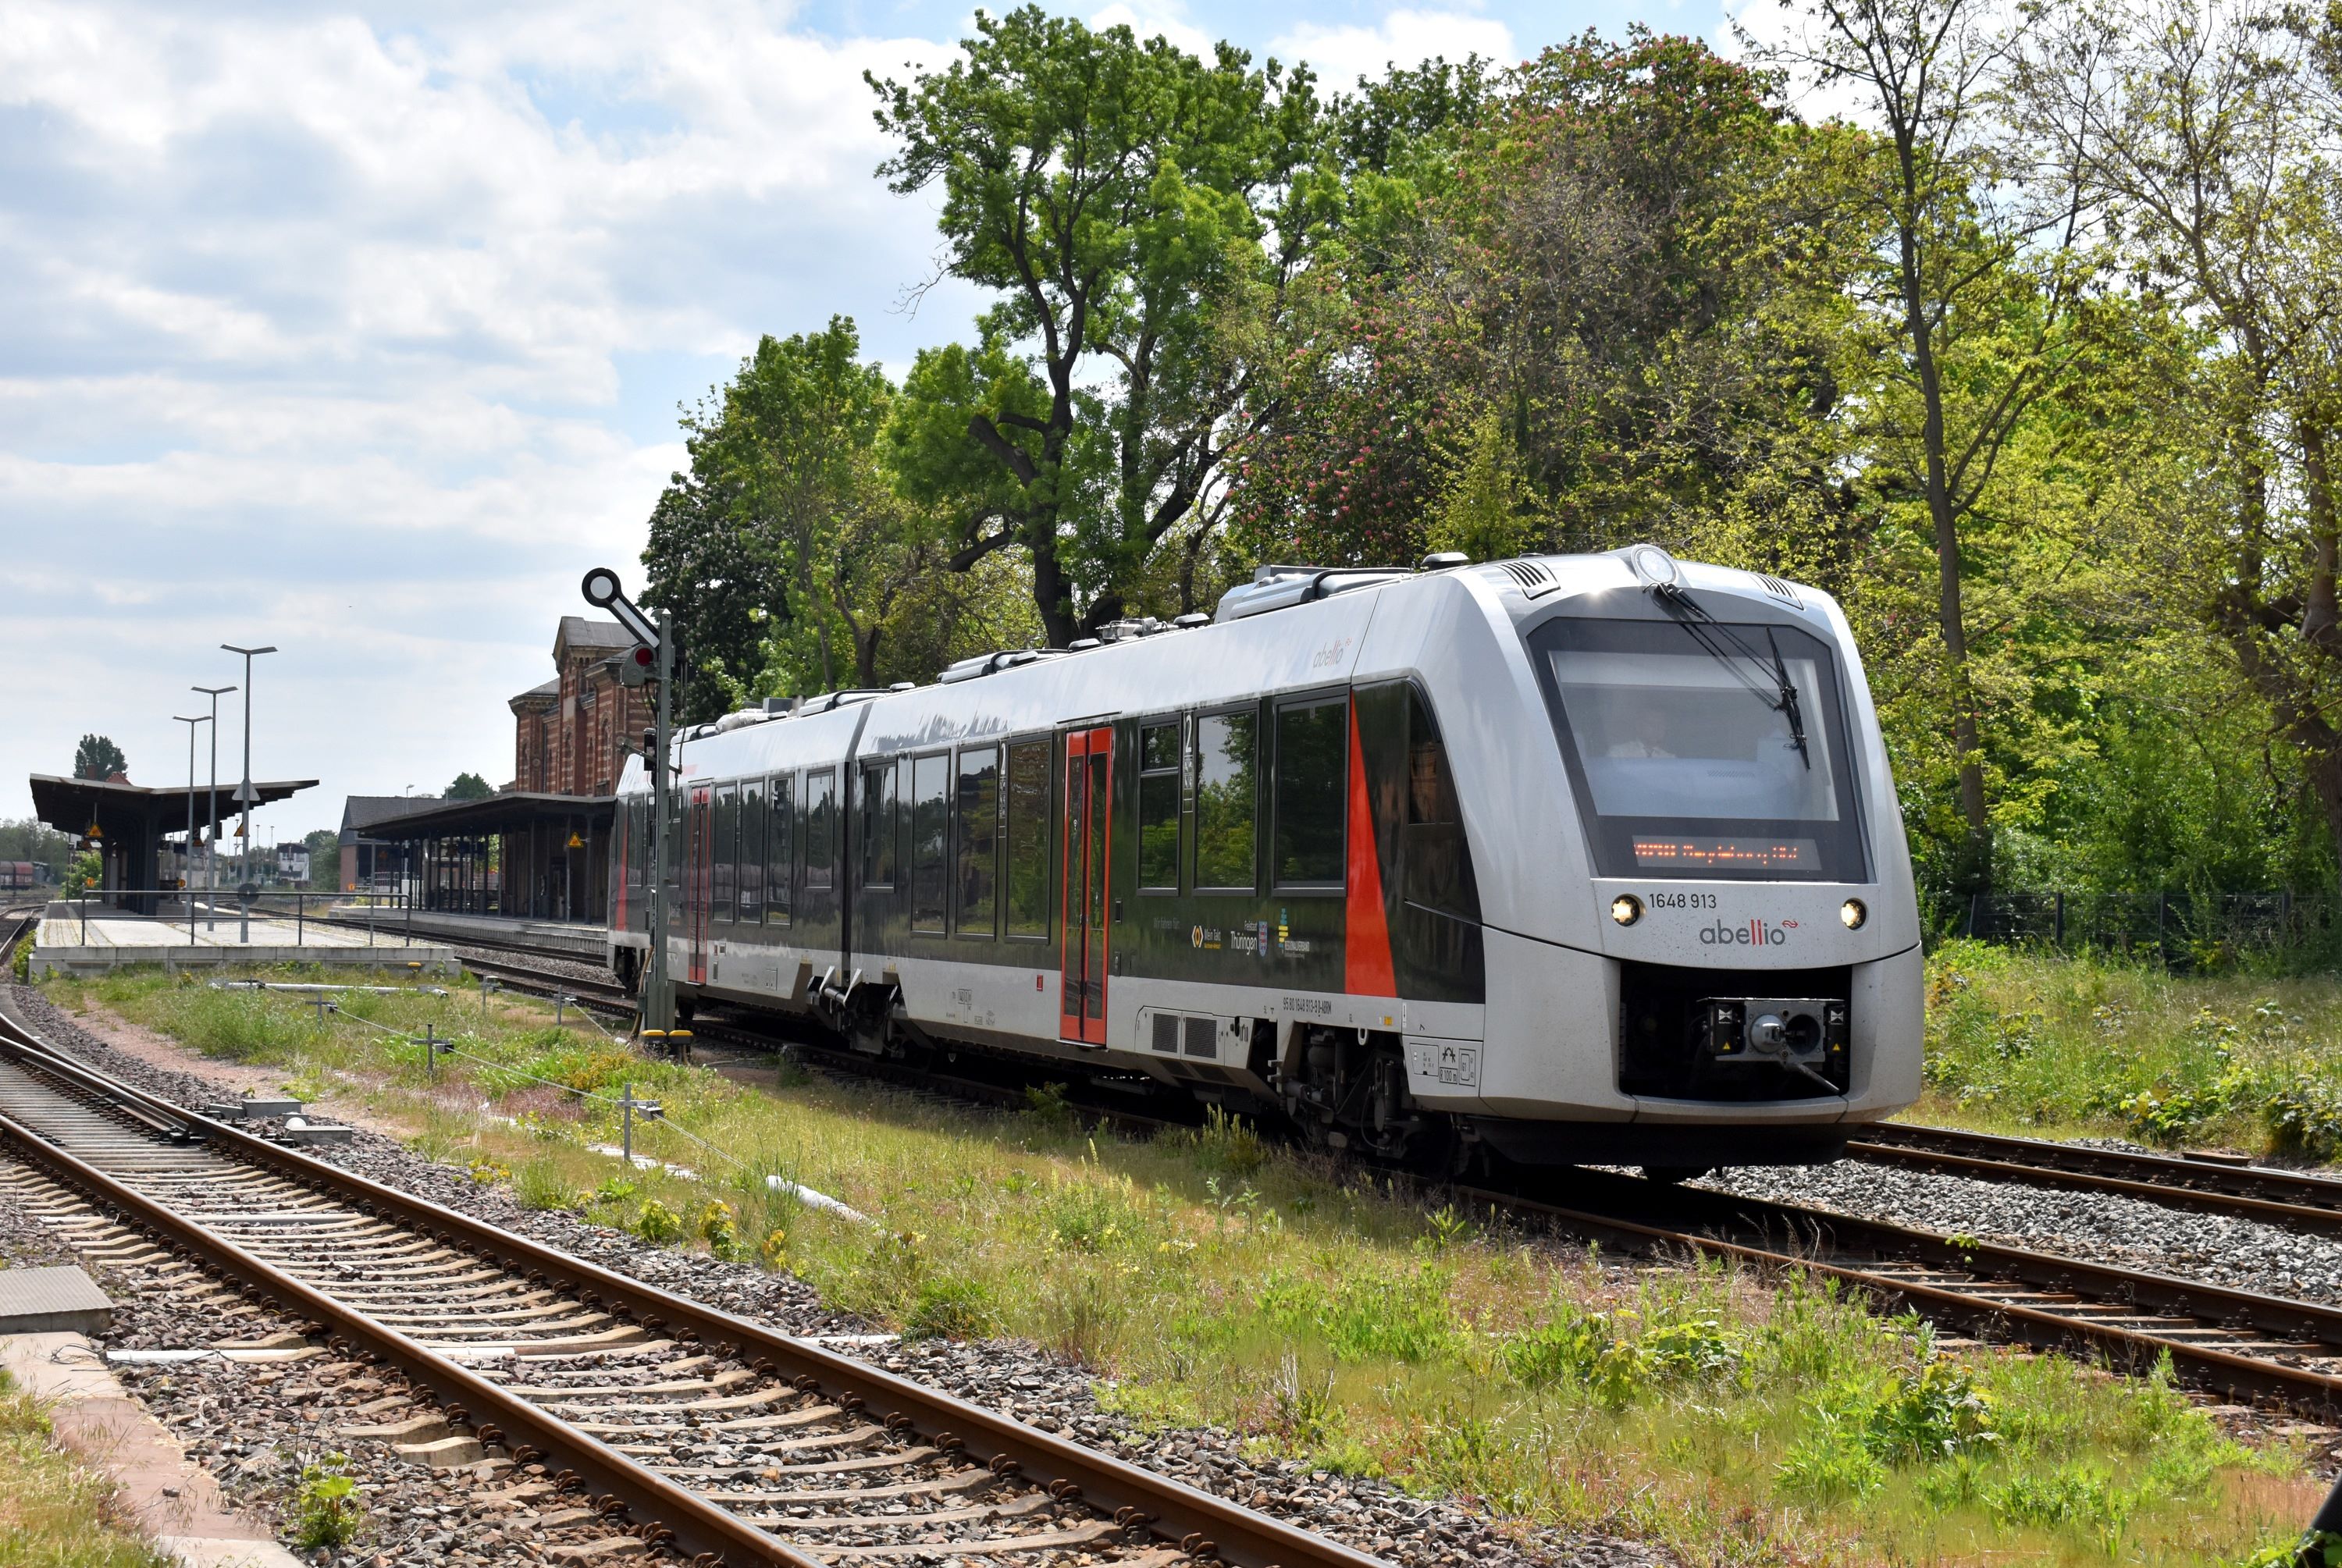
point(1706, 750)
point(780, 838)
point(878, 825)
point(1158, 808)
point(930, 839)
point(723, 859)
point(820, 829)
point(977, 869)
point(751, 858)
point(1029, 840)
point(1313, 764)
point(1227, 768)
point(1437, 864)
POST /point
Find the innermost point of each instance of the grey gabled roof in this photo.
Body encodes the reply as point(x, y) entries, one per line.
point(361, 812)
point(580, 632)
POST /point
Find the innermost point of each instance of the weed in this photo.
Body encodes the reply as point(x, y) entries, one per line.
point(1827, 1467)
point(1226, 1143)
point(773, 1252)
point(327, 1509)
point(718, 1224)
point(2082, 1498)
point(657, 1222)
point(949, 1309)
point(543, 1185)
point(616, 1190)
point(1045, 1104)
point(486, 1173)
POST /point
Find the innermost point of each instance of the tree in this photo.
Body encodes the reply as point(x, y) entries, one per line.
point(469, 786)
point(98, 757)
point(1142, 216)
point(2200, 131)
point(1979, 287)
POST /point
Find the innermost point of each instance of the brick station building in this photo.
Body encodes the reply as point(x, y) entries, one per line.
point(572, 735)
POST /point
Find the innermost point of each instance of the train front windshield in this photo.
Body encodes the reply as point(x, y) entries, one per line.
point(1704, 750)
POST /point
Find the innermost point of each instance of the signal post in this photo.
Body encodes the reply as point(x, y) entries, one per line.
point(653, 659)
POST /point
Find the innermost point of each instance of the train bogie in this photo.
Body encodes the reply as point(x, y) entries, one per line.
point(1579, 858)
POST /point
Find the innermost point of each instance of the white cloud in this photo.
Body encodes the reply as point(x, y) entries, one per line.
point(1168, 22)
point(1341, 55)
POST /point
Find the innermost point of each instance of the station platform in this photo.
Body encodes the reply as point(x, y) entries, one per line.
point(563, 938)
point(69, 945)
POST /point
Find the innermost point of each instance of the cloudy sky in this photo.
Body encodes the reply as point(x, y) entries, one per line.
point(361, 333)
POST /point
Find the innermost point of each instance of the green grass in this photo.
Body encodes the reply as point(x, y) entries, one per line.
point(52, 1508)
point(1206, 1277)
point(2031, 1043)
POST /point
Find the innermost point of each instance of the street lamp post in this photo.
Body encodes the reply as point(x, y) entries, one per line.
point(245, 793)
point(211, 815)
point(188, 867)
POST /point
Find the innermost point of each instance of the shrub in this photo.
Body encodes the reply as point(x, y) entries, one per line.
point(327, 1509)
point(952, 1308)
point(657, 1222)
point(718, 1225)
point(2302, 1118)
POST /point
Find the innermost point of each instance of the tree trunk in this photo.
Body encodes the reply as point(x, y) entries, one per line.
point(1975, 871)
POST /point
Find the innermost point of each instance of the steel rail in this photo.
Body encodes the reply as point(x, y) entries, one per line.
point(2289, 1198)
point(1202, 1525)
point(2230, 1370)
point(697, 1526)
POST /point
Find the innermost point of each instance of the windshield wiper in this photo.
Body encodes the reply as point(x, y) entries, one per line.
point(1711, 635)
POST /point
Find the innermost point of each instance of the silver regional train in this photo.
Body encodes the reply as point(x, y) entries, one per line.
point(1578, 859)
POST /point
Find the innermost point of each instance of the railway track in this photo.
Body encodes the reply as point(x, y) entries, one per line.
point(662, 1419)
point(2292, 1199)
point(2241, 1343)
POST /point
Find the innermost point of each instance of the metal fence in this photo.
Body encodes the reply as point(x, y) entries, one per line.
point(227, 917)
point(2182, 930)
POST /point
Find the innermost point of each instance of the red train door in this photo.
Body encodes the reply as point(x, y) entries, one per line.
point(698, 875)
point(1089, 793)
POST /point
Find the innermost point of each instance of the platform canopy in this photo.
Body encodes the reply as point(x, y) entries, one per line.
point(133, 820)
point(516, 853)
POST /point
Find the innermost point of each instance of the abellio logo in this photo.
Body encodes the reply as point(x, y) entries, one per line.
point(1748, 933)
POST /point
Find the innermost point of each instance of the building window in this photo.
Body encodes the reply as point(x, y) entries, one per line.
point(1312, 756)
point(878, 825)
point(930, 839)
point(820, 829)
point(1029, 840)
point(1226, 748)
point(779, 839)
point(977, 881)
point(1158, 808)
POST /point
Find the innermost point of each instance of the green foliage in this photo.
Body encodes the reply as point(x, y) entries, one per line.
point(950, 1308)
point(327, 1508)
point(469, 786)
point(718, 1224)
point(98, 757)
point(1130, 208)
point(655, 1222)
point(544, 1184)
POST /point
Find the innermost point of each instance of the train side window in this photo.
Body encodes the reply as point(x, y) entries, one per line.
point(821, 829)
point(1029, 840)
point(723, 862)
point(1313, 757)
point(1227, 750)
point(780, 838)
point(1436, 862)
point(977, 910)
point(751, 858)
point(879, 825)
point(1158, 808)
point(930, 839)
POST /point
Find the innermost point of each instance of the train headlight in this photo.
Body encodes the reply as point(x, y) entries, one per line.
point(1626, 909)
point(1852, 913)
